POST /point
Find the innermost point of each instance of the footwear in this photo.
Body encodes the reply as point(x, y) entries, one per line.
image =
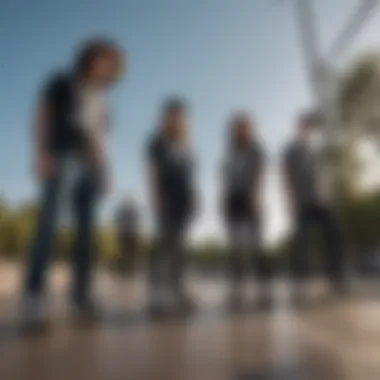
point(264, 301)
point(33, 312)
point(340, 287)
point(235, 301)
point(299, 298)
point(88, 309)
point(184, 302)
point(157, 305)
point(156, 309)
point(159, 299)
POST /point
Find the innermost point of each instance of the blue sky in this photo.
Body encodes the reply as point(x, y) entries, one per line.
point(221, 55)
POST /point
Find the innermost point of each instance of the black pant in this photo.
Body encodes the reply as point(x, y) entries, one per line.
point(84, 196)
point(324, 218)
point(167, 260)
point(128, 247)
point(245, 242)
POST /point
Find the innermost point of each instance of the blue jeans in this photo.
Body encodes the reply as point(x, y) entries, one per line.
point(83, 197)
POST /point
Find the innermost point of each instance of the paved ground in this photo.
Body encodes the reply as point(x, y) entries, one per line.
point(333, 339)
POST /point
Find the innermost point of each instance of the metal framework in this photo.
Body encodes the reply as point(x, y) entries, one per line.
point(320, 66)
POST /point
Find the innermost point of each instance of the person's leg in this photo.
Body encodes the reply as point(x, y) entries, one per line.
point(40, 253)
point(42, 245)
point(261, 262)
point(154, 262)
point(157, 263)
point(235, 259)
point(131, 252)
point(334, 255)
point(299, 261)
point(178, 257)
point(262, 265)
point(85, 199)
point(123, 256)
point(118, 263)
point(256, 253)
point(299, 257)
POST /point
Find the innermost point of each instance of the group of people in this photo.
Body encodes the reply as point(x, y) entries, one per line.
point(71, 155)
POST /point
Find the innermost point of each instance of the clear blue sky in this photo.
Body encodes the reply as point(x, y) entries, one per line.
point(221, 55)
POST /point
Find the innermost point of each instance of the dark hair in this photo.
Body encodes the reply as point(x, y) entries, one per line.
point(311, 119)
point(170, 106)
point(237, 119)
point(174, 104)
point(91, 50)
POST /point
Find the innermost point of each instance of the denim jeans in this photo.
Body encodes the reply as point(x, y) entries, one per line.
point(82, 194)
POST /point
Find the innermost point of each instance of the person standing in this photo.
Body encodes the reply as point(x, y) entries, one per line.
point(171, 183)
point(309, 195)
point(243, 171)
point(127, 228)
point(70, 132)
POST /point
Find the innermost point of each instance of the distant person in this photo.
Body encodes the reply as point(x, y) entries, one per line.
point(309, 196)
point(127, 221)
point(171, 167)
point(71, 125)
point(243, 171)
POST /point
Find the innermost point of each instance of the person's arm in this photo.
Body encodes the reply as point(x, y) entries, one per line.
point(258, 189)
point(97, 137)
point(287, 175)
point(153, 174)
point(153, 182)
point(98, 148)
point(195, 199)
point(137, 218)
point(95, 148)
point(117, 218)
point(95, 140)
point(222, 186)
point(44, 160)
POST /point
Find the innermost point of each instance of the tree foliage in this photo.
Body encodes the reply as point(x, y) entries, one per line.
point(17, 225)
